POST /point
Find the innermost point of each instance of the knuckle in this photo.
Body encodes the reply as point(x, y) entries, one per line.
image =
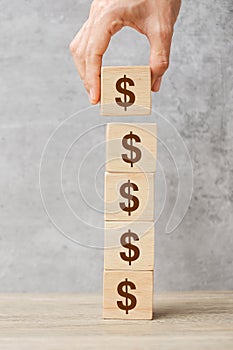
point(98, 6)
point(166, 33)
point(72, 47)
point(163, 64)
point(115, 25)
point(89, 53)
point(160, 65)
point(92, 56)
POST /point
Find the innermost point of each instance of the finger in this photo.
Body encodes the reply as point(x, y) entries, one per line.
point(78, 48)
point(99, 39)
point(160, 43)
point(157, 84)
point(92, 78)
point(97, 45)
point(80, 64)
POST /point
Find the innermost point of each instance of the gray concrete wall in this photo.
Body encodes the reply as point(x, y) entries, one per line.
point(39, 88)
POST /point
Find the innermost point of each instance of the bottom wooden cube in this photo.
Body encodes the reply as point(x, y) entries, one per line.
point(128, 294)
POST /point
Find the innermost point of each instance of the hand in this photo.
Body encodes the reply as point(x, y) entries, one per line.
point(154, 18)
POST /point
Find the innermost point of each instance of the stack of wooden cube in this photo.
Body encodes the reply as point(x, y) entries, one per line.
point(129, 195)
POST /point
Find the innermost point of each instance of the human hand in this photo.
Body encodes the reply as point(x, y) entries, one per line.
point(153, 18)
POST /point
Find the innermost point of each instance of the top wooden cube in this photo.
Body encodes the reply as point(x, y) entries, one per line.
point(126, 91)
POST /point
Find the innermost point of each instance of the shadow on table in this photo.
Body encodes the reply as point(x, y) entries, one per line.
point(177, 309)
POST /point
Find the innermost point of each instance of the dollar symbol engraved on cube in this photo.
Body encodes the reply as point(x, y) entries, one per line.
point(128, 297)
point(135, 153)
point(127, 93)
point(128, 185)
point(126, 243)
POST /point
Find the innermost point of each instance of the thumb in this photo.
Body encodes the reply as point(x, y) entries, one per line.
point(160, 44)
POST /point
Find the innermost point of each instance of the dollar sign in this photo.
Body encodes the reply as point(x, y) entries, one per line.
point(133, 301)
point(128, 235)
point(132, 148)
point(123, 90)
point(129, 196)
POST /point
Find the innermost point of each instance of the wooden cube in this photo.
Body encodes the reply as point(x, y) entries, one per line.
point(126, 91)
point(131, 147)
point(128, 294)
point(129, 196)
point(129, 246)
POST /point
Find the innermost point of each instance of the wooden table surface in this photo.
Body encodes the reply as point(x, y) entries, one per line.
point(190, 320)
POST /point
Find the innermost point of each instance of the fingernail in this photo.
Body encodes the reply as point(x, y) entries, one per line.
point(92, 96)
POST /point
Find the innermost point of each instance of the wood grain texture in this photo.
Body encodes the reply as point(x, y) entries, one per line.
point(146, 145)
point(143, 245)
point(142, 293)
point(141, 77)
point(182, 320)
point(145, 195)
